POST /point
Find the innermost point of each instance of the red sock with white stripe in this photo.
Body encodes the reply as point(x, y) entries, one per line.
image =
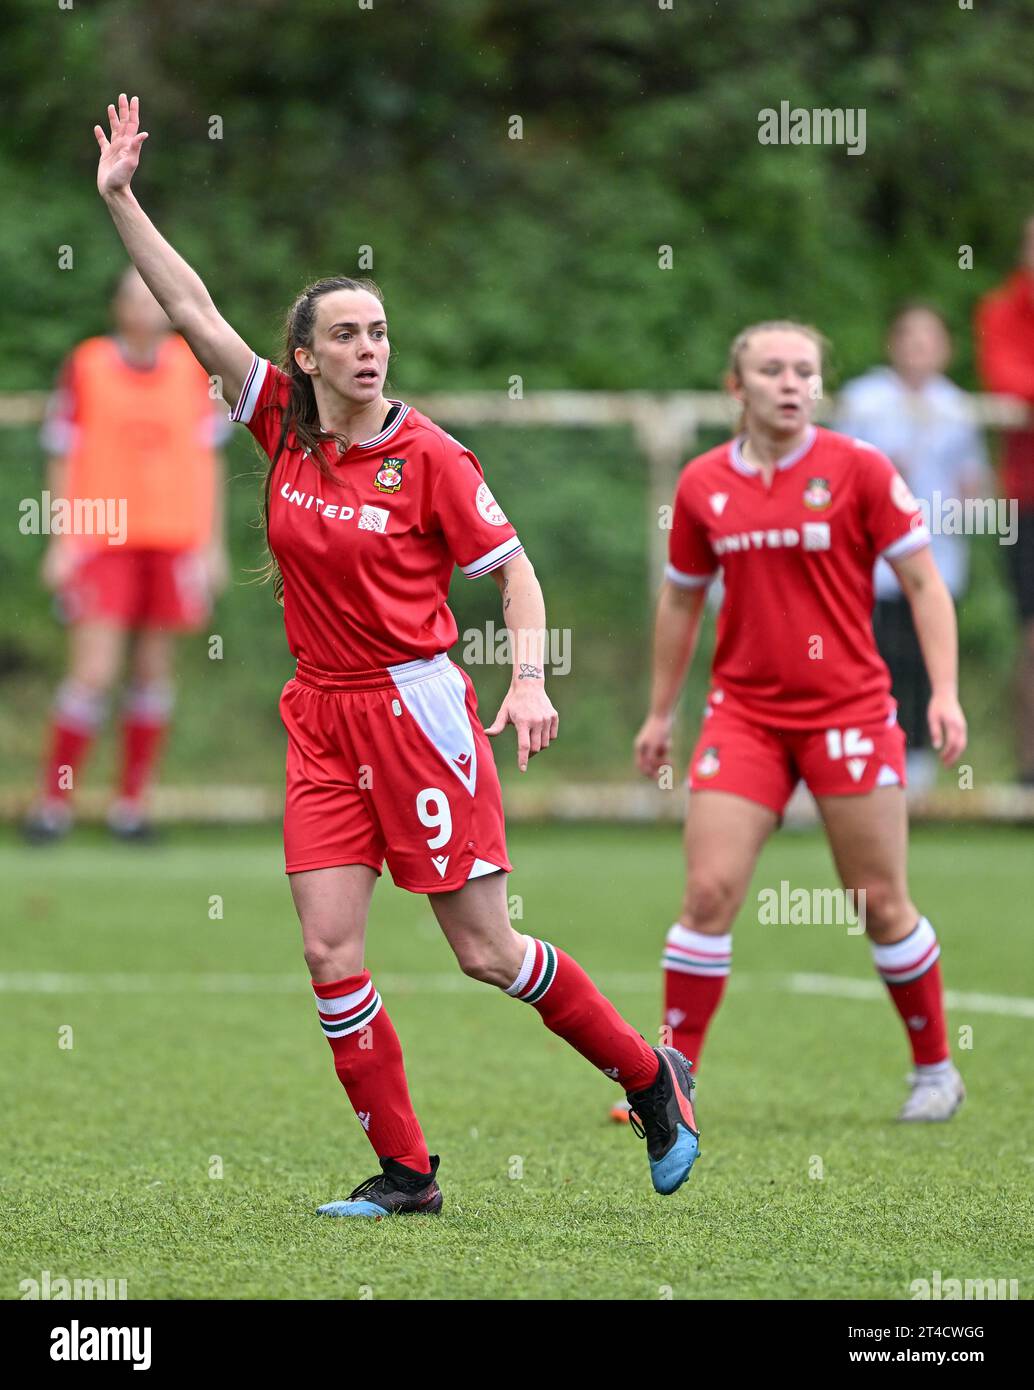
point(368, 1061)
point(146, 717)
point(571, 1006)
point(78, 712)
point(912, 975)
point(696, 968)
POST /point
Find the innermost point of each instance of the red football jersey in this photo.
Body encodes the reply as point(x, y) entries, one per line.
point(367, 555)
point(795, 646)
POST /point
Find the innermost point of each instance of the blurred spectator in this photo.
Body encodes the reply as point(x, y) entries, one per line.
point(132, 433)
point(925, 424)
point(1005, 358)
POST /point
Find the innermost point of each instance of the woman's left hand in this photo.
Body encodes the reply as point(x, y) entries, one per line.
point(947, 726)
point(529, 709)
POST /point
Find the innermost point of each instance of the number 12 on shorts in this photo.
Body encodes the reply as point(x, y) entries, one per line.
point(847, 743)
point(432, 808)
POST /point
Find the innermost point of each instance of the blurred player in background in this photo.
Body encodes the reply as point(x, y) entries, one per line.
point(369, 507)
point(926, 426)
point(796, 517)
point(1005, 357)
point(132, 433)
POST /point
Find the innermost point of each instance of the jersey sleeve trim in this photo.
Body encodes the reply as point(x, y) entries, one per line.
point(904, 545)
point(687, 581)
point(494, 558)
point(251, 390)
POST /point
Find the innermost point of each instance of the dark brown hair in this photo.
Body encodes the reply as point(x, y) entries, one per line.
point(301, 417)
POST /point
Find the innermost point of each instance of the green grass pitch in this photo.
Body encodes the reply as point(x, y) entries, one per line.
point(195, 1051)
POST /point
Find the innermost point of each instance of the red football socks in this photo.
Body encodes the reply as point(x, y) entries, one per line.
point(368, 1061)
point(912, 975)
point(696, 969)
point(78, 712)
point(141, 744)
point(571, 1006)
point(145, 722)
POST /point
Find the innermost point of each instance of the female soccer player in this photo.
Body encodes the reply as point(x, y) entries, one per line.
point(131, 430)
point(795, 517)
point(369, 506)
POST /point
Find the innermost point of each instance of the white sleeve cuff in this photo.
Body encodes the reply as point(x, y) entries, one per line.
point(499, 556)
point(904, 545)
point(687, 581)
point(245, 407)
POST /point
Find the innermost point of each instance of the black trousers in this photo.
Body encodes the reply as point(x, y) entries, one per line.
point(899, 647)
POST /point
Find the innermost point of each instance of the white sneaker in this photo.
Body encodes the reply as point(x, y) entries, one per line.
point(933, 1097)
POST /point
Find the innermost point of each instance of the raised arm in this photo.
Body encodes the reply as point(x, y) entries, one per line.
point(178, 289)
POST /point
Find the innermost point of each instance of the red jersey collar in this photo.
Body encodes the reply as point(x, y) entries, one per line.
point(751, 470)
point(379, 440)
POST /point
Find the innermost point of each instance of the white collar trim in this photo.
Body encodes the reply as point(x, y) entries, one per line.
point(750, 470)
point(384, 435)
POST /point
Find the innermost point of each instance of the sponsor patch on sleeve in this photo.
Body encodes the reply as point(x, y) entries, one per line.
point(901, 494)
point(488, 507)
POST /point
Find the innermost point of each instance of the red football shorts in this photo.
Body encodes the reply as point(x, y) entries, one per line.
point(138, 589)
point(391, 764)
point(734, 753)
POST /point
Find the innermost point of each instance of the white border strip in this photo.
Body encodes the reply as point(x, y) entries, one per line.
point(914, 540)
point(687, 581)
point(508, 550)
point(251, 390)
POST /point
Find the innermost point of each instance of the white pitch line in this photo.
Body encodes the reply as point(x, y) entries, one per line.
point(1008, 1005)
point(56, 982)
point(829, 986)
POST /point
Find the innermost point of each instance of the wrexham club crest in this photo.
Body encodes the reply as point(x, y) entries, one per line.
point(389, 475)
point(817, 495)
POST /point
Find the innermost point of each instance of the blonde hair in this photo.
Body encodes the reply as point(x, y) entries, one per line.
point(739, 346)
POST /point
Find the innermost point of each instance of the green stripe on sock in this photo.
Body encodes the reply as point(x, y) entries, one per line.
point(352, 1022)
point(547, 977)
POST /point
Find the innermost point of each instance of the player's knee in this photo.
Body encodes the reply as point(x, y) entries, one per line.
point(494, 958)
point(884, 907)
point(710, 904)
point(328, 958)
point(480, 963)
point(95, 678)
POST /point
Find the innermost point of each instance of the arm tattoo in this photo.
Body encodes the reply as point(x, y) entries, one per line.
point(528, 672)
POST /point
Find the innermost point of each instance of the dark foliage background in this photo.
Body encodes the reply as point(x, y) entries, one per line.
point(388, 127)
